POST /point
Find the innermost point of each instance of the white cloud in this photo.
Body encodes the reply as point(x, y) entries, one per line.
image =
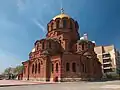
point(40, 25)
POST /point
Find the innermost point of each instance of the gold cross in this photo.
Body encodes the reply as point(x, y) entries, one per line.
point(62, 10)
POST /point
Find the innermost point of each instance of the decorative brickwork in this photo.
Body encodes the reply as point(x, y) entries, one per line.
point(62, 56)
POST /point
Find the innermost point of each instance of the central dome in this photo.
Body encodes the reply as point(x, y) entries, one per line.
point(62, 15)
point(62, 23)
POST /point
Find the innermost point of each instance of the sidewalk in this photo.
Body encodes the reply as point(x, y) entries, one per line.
point(5, 83)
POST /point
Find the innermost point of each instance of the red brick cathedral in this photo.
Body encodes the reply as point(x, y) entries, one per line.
point(62, 56)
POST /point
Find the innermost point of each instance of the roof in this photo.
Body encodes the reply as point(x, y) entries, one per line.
point(83, 41)
point(62, 15)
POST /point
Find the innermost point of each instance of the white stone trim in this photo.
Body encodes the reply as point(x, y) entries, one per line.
point(52, 79)
point(71, 79)
point(37, 79)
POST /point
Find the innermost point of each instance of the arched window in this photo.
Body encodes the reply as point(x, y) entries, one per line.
point(49, 44)
point(52, 68)
point(56, 67)
point(82, 46)
point(60, 24)
point(51, 26)
point(57, 23)
point(85, 68)
point(36, 68)
point(39, 68)
point(82, 67)
point(37, 46)
point(74, 67)
point(33, 68)
point(43, 45)
point(67, 67)
point(64, 23)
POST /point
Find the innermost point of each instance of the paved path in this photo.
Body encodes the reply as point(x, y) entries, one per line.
point(17, 82)
point(108, 85)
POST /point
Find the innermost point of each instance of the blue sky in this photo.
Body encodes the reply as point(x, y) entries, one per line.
point(22, 22)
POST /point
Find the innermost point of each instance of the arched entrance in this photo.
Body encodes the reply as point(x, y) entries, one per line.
point(56, 79)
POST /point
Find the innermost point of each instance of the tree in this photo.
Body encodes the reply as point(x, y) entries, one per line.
point(18, 69)
point(11, 73)
point(8, 70)
point(118, 71)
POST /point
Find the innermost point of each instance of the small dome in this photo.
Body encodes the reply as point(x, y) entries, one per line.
point(62, 15)
point(33, 50)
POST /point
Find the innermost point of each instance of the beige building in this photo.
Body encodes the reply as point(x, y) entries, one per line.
point(109, 58)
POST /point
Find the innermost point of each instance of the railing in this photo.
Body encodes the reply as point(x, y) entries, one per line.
point(106, 57)
point(107, 67)
point(107, 62)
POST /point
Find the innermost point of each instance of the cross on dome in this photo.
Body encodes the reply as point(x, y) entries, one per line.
point(62, 10)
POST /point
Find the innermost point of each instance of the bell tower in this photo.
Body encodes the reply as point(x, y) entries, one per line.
point(63, 28)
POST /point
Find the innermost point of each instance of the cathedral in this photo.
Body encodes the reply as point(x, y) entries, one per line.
point(62, 56)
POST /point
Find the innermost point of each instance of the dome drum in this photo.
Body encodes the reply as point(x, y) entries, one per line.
point(62, 23)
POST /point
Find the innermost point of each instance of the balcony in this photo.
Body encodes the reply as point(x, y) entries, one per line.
point(106, 62)
point(107, 67)
point(106, 57)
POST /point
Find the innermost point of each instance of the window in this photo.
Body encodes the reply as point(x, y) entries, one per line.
point(49, 44)
point(74, 67)
point(39, 68)
point(56, 67)
point(37, 46)
point(85, 69)
point(71, 25)
point(43, 45)
point(52, 68)
point(61, 24)
point(36, 68)
point(82, 67)
point(33, 68)
point(82, 46)
point(51, 26)
point(67, 67)
point(64, 23)
point(57, 23)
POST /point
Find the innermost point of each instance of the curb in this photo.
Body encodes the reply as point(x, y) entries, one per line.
point(25, 84)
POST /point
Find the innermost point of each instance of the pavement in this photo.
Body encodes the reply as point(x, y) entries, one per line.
point(106, 85)
point(5, 83)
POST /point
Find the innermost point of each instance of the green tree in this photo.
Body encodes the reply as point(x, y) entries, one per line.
point(8, 70)
point(18, 69)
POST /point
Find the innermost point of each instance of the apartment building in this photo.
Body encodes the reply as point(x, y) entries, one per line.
point(109, 58)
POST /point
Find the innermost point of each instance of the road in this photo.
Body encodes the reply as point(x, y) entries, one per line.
point(109, 85)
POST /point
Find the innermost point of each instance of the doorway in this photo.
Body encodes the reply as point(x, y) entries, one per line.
point(56, 79)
